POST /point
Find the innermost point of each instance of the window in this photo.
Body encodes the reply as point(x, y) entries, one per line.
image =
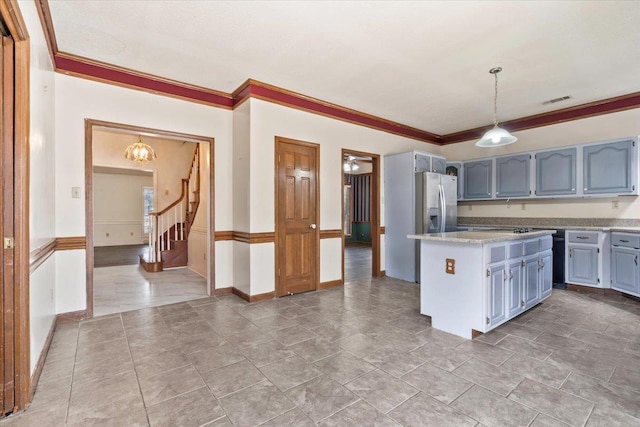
point(147, 208)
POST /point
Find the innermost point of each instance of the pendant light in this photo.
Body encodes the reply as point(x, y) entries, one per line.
point(139, 152)
point(496, 137)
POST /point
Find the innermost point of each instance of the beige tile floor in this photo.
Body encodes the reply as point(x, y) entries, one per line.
point(358, 355)
point(129, 287)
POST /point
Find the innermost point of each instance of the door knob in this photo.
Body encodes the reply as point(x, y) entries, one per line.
point(312, 226)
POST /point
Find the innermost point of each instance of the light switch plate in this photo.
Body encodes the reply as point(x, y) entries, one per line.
point(75, 192)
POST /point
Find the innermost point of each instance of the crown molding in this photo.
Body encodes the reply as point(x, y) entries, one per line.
point(78, 66)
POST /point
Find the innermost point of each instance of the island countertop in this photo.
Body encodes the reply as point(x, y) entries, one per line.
point(479, 237)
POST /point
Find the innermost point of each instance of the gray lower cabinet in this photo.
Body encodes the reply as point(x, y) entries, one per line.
point(556, 172)
point(512, 176)
point(478, 179)
point(608, 168)
point(530, 276)
point(583, 264)
point(455, 169)
point(497, 294)
point(516, 302)
point(546, 274)
point(625, 268)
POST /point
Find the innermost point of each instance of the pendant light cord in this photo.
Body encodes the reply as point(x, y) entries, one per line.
point(495, 101)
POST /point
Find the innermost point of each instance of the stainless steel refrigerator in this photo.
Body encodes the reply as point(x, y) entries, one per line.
point(436, 208)
point(415, 203)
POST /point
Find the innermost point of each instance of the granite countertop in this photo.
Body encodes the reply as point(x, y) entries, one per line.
point(479, 236)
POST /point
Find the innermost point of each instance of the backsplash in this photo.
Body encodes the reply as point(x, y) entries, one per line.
point(549, 222)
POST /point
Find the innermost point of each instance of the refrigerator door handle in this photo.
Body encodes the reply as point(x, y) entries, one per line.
point(443, 209)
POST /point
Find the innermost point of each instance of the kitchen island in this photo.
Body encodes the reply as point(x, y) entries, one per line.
point(473, 281)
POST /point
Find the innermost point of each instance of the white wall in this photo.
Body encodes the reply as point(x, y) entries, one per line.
point(118, 208)
point(79, 99)
point(269, 120)
point(241, 194)
point(42, 181)
point(600, 128)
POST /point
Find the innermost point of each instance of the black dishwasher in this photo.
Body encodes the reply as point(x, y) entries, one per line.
point(558, 260)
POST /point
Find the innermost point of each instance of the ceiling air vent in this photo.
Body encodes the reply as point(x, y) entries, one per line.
point(554, 100)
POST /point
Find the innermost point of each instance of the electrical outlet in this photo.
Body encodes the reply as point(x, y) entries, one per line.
point(75, 192)
point(523, 207)
point(614, 204)
point(107, 234)
point(470, 207)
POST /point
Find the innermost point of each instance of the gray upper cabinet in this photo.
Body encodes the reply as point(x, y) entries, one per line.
point(556, 172)
point(512, 176)
point(608, 168)
point(477, 179)
point(455, 169)
point(422, 163)
point(438, 164)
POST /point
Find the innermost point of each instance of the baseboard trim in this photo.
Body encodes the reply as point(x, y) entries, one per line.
point(71, 316)
point(35, 377)
point(599, 291)
point(330, 284)
point(253, 298)
point(222, 291)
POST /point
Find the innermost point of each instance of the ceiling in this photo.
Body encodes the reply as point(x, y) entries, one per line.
point(422, 64)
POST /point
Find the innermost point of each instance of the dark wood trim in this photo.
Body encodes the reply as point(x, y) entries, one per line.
point(475, 334)
point(244, 237)
point(151, 267)
point(331, 234)
point(223, 291)
point(331, 284)
point(44, 13)
point(582, 111)
point(277, 142)
point(383, 230)
point(262, 297)
point(88, 176)
point(241, 294)
point(43, 356)
point(71, 243)
point(38, 256)
point(222, 236)
point(72, 316)
point(10, 13)
point(266, 92)
point(591, 290)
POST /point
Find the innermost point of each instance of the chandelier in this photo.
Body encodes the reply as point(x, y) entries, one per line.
point(139, 152)
point(496, 136)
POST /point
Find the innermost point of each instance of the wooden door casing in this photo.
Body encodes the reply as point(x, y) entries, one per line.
point(297, 217)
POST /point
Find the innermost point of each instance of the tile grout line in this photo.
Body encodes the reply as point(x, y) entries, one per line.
point(144, 403)
point(75, 357)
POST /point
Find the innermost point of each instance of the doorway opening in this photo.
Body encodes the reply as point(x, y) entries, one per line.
point(161, 210)
point(361, 215)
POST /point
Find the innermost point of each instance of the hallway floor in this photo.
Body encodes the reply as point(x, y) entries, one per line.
point(357, 262)
point(129, 287)
point(358, 355)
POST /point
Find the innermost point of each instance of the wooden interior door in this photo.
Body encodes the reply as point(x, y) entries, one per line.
point(7, 325)
point(297, 231)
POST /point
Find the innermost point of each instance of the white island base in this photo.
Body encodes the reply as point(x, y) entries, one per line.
point(473, 281)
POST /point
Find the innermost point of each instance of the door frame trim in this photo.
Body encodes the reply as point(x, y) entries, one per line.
point(89, 124)
point(10, 13)
point(375, 208)
point(316, 148)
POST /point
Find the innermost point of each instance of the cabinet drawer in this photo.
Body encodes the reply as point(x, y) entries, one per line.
point(515, 250)
point(583, 237)
point(546, 243)
point(497, 253)
point(626, 240)
point(531, 247)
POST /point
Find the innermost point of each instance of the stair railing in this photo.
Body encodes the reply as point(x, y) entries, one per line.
point(178, 214)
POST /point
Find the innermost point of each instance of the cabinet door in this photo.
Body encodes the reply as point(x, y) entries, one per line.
point(530, 285)
point(608, 168)
point(496, 297)
point(556, 172)
point(516, 303)
point(423, 163)
point(583, 265)
point(455, 169)
point(625, 275)
point(512, 176)
point(477, 179)
point(438, 164)
point(546, 274)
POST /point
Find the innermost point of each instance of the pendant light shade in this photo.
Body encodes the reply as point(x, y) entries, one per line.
point(497, 136)
point(140, 153)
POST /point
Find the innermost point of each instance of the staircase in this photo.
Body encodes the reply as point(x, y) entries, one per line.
point(168, 240)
